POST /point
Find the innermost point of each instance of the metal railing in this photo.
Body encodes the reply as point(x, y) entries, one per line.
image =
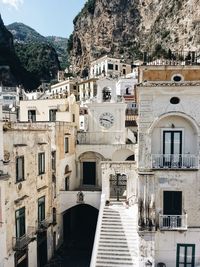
point(175, 161)
point(173, 222)
point(20, 243)
point(162, 57)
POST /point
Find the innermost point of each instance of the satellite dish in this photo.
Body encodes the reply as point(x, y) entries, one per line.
point(11, 106)
point(13, 109)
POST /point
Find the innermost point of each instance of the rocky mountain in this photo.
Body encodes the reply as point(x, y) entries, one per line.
point(60, 45)
point(126, 28)
point(24, 34)
point(12, 72)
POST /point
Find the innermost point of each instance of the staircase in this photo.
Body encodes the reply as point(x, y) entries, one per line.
point(118, 244)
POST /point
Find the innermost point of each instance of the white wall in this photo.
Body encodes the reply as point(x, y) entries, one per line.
point(166, 245)
point(68, 199)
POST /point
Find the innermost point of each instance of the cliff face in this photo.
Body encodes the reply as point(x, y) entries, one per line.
point(128, 27)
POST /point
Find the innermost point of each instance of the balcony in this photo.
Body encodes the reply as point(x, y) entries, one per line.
point(20, 243)
point(175, 161)
point(173, 222)
point(44, 225)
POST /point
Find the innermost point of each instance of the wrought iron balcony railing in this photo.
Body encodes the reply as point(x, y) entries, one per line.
point(20, 243)
point(173, 222)
point(175, 161)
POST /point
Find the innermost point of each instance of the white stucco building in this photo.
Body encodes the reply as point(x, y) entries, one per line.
point(108, 66)
point(168, 164)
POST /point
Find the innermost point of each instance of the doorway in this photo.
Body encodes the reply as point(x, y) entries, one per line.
point(89, 173)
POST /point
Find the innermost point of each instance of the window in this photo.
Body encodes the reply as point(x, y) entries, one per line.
point(172, 148)
point(41, 163)
point(106, 94)
point(20, 222)
point(116, 67)
point(67, 183)
point(32, 115)
point(54, 216)
point(20, 169)
point(124, 72)
point(110, 66)
point(41, 209)
point(53, 160)
point(52, 114)
point(174, 100)
point(73, 117)
point(185, 255)
point(66, 145)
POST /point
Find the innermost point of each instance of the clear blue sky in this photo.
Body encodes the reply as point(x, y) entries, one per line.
point(48, 17)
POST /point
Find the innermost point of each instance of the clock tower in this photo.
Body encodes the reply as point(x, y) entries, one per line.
point(106, 115)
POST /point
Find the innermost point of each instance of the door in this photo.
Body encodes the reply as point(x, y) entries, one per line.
point(172, 205)
point(172, 148)
point(41, 249)
point(118, 186)
point(185, 255)
point(89, 173)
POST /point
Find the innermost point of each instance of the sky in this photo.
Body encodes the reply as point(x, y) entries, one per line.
point(47, 17)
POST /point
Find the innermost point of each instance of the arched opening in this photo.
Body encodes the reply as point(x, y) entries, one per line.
point(131, 158)
point(89, 169)
point(106, 94)
point(174, 140)
point(67, 178)
point(79, 225)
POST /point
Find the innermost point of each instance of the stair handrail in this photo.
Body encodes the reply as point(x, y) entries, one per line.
point(98, 231)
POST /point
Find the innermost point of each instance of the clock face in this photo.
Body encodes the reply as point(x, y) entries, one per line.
point(106, 119)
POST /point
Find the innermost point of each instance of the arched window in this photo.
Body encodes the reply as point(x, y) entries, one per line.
point(106, 94)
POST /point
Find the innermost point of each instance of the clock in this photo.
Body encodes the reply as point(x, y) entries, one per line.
point(106, 119)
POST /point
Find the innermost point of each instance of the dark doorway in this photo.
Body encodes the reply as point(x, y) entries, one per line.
point(79, 226)
point(172, 203)
point(42, 248)
point(89, 173)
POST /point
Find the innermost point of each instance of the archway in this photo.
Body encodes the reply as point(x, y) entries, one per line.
point(79, 226)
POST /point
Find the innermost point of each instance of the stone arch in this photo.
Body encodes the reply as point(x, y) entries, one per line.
point(89, 169)
point(122, 154)
point(79, 224)
point(165, 127)
point(187, 117)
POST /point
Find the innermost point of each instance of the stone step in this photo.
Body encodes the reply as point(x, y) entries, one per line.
point(116, 249)
point(113, 265)
point(115, 253)
point(118, 262)
point(114, 256)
